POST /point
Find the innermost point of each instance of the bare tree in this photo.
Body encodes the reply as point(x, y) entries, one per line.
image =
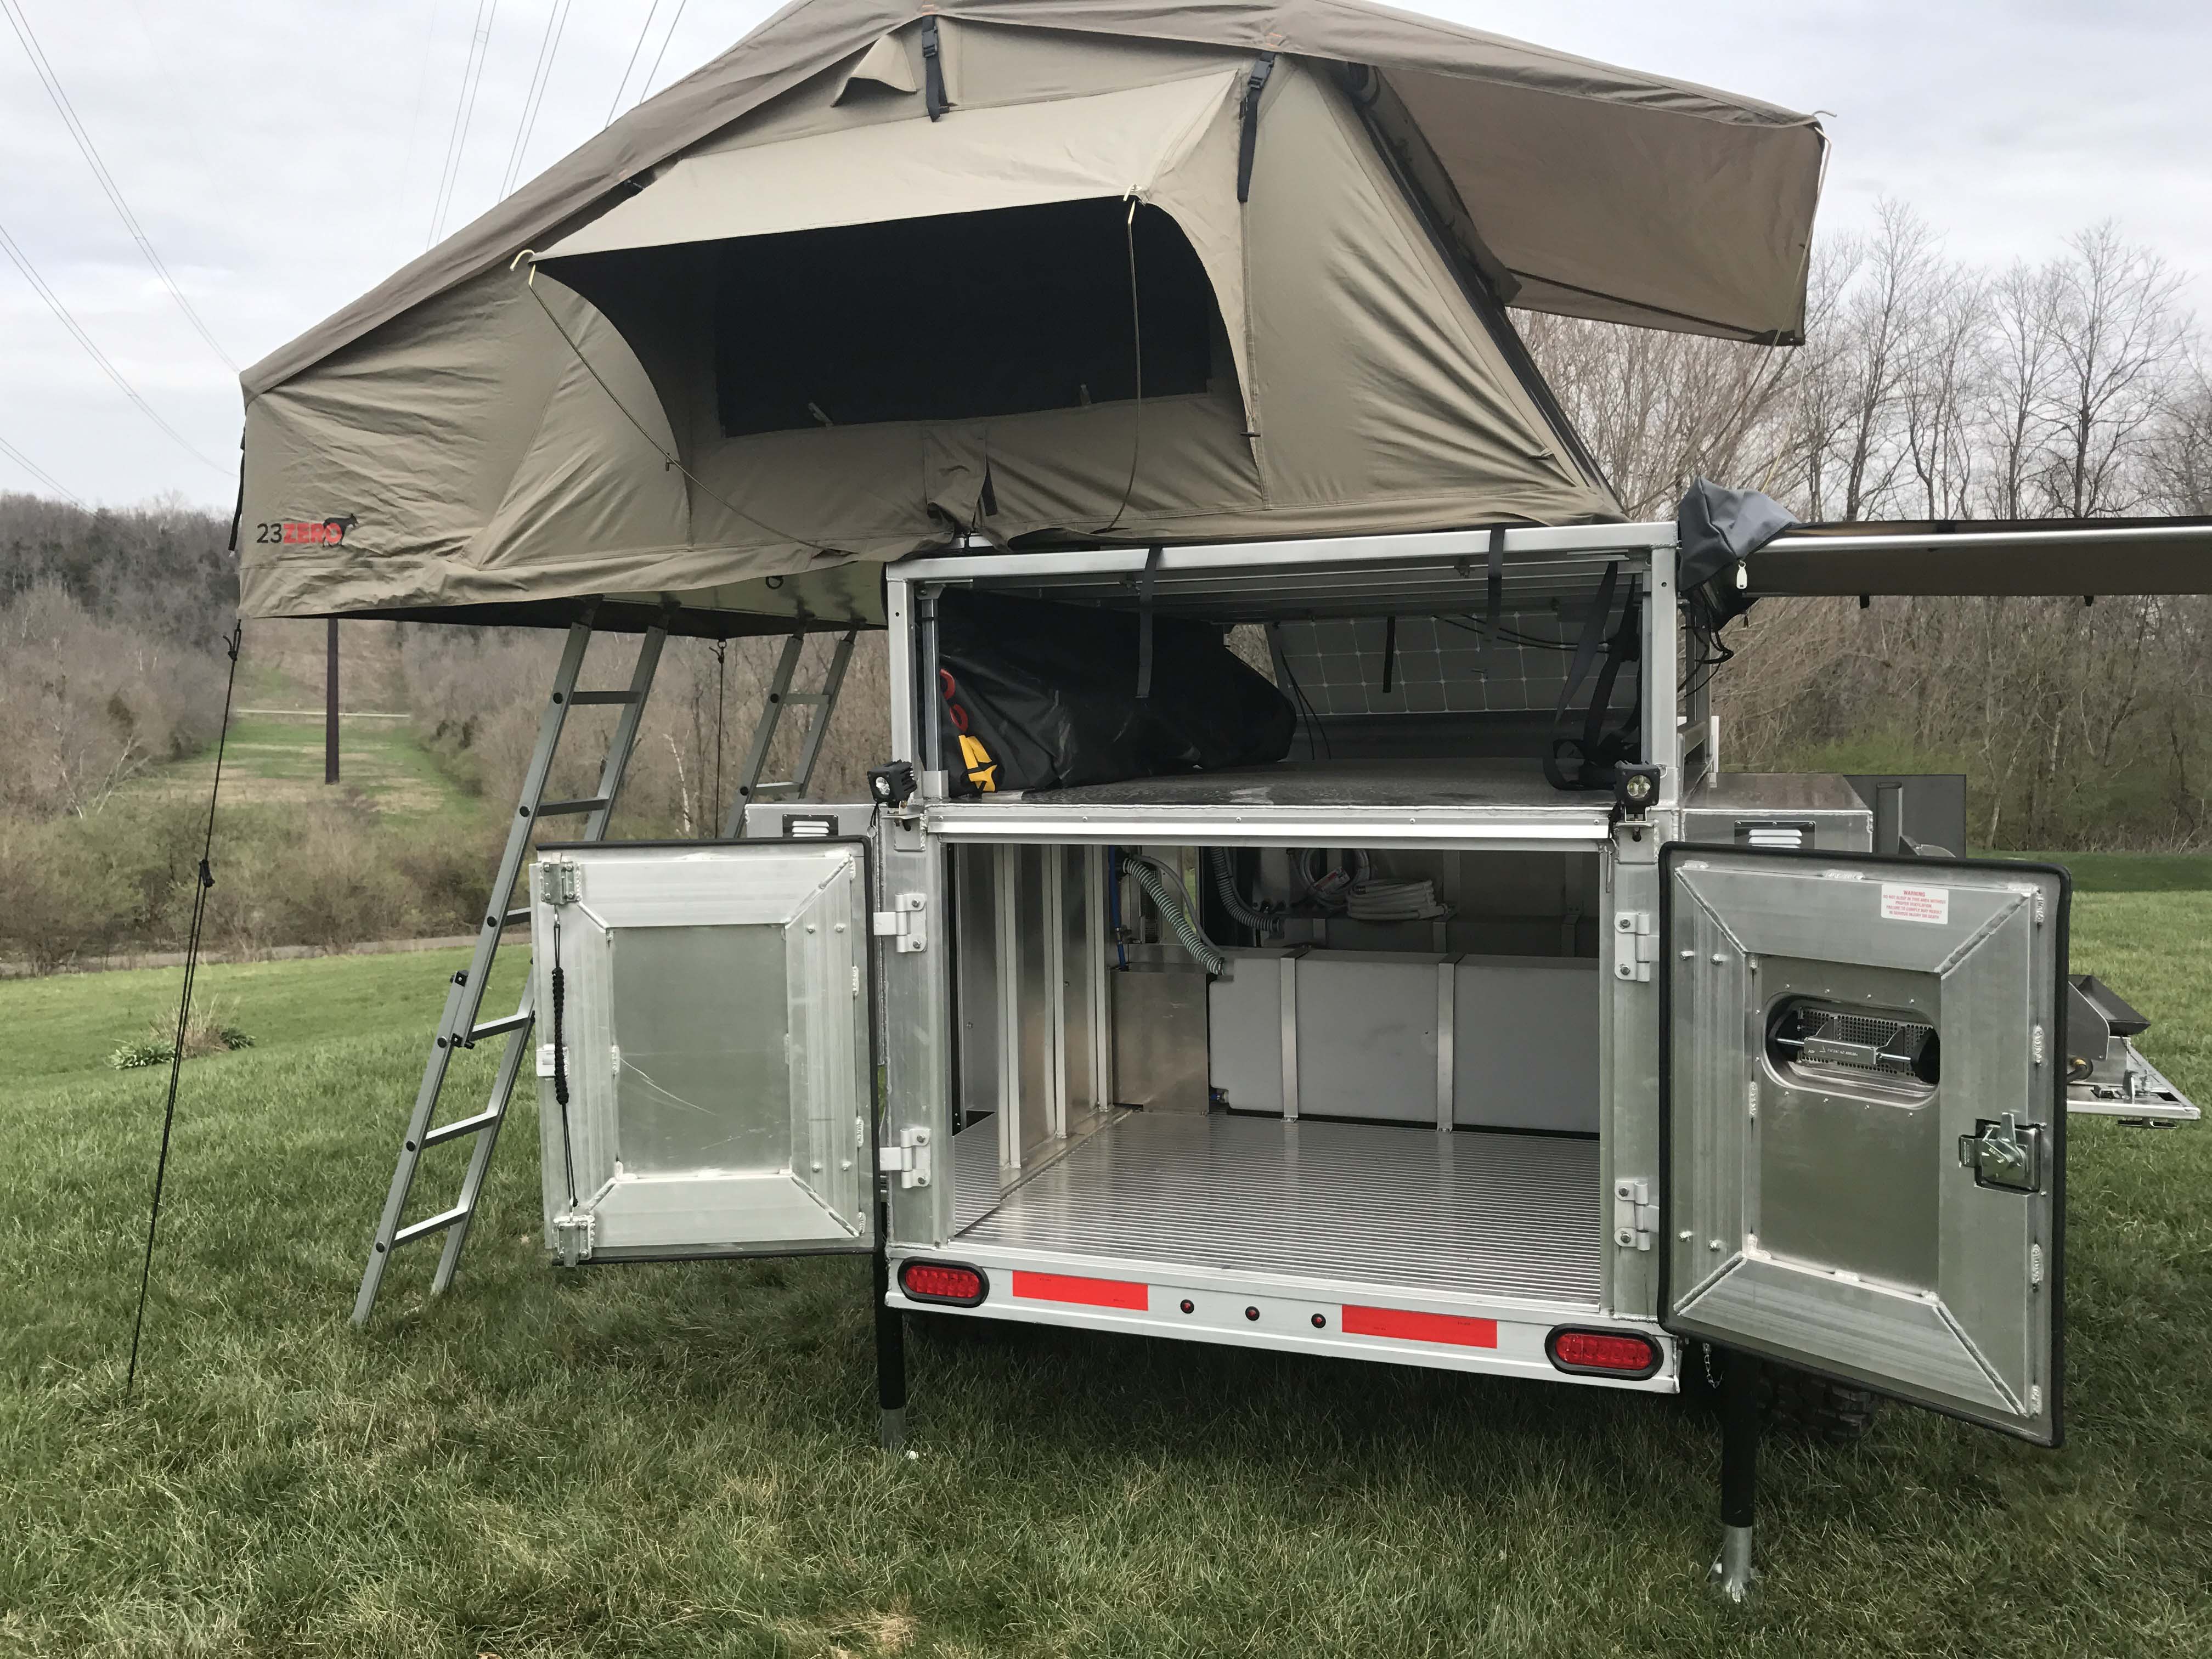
point(1877, 321)
point(2024, 327)
point(2119, 332)
point(1946, 369)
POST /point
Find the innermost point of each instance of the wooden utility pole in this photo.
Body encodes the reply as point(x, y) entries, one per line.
point(331, 708)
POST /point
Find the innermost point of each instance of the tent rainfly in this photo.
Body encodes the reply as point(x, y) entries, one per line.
point(1037, 270)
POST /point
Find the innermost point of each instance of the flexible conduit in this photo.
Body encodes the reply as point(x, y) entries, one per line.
point(1223, 863)
point(1148, 876)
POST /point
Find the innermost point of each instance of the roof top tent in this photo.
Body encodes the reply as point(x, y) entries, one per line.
point(1405, 983)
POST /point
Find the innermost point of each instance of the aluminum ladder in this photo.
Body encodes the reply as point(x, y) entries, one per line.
point(782, 697)
point(457, 1027)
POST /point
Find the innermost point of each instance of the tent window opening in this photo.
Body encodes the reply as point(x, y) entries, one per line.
point(959, 317)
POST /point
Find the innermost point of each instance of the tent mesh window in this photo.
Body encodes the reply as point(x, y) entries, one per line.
point(959, 317)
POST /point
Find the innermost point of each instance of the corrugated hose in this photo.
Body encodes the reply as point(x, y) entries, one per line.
point(1161, 885)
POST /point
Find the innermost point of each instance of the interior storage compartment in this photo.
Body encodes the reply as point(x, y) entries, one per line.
point(1374, 1064)
point(1149, 688)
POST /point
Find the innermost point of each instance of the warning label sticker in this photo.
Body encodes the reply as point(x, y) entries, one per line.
point(1902, 903)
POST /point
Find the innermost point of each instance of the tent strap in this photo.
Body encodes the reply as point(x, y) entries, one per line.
point(1495, 608)
point(1248, 141)
point(1145, 621)
point(1586, 651)
point(933, 69)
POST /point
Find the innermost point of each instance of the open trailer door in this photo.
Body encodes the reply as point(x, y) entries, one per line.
point(1863, 1114)
point(706, 1060)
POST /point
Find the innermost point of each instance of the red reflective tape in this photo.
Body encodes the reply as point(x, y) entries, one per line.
point(1454, 1329)
point(1091, 1292)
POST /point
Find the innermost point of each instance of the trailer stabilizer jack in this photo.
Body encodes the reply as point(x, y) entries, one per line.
point(1733, 1574)
point(890, 1362)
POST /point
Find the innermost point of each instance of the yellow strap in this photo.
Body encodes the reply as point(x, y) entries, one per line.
point(983, 771)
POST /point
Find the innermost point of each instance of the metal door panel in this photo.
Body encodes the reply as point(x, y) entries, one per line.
point(1843, 1034)
point(715, 1043)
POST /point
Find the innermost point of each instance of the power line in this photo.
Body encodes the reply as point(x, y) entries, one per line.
point(60, 99)
point(548, 48)
point(414, 112)
point(663, 52)
point(37, 471)
point(464, 114)
point(615, 103)
point(22, 262)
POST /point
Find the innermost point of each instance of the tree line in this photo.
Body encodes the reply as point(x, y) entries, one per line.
point(1932, 388)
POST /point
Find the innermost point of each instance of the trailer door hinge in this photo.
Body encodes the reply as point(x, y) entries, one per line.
point(1635, 944)
point(572, 1236)
point(910, 1160)
point(904, 923)
point(1635, 1216)
point(560, 881)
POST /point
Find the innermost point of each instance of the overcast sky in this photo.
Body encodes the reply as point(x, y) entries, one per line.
point(283, 155)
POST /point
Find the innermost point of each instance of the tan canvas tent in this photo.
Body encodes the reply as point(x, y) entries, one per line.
point(1119, 271)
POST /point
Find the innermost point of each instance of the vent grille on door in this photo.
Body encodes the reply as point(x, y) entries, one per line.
point(1785, 834)
point(1808, 1043)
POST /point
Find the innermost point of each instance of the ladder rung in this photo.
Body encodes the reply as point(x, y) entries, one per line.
point(804, 699)
point(430, 1224)
point(576, 698)
point(555, 808)
point(514, 916)
point(461, 1125)
point(494, 1027)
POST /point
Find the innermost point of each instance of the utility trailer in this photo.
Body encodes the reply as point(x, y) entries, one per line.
point(1420, 988)
point(1617, 1078)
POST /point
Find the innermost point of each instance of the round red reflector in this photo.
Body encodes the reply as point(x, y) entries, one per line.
point(942, 1281)
point(1612, 1352)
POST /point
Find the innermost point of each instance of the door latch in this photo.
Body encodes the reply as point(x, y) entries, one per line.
point(2004, 1154)
point(910, 1160)
point(903, 924)
point(1635, 1216)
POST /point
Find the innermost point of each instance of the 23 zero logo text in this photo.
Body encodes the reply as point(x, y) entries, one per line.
point(326, 531)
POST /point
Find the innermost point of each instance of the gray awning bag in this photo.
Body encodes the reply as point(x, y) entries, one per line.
point(1720, 530)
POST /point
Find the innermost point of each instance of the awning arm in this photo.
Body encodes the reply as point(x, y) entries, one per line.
point(2061, 558)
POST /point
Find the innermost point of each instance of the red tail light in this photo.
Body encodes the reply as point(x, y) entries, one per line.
point(1604, 1353)
point(944, 1281)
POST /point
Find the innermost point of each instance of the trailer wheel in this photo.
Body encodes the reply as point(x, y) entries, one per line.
point(1793, 1402)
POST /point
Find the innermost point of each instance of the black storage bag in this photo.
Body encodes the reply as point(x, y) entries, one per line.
point(1049, 692)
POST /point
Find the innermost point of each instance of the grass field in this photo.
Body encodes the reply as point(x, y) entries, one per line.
point(679, 1460)
point(273, 754)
